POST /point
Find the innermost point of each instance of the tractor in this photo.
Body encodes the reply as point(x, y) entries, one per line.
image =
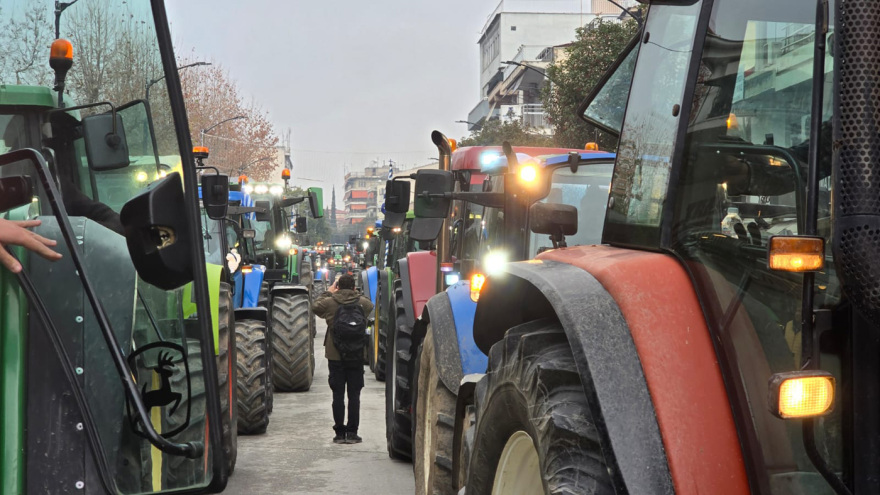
point(110, 351)
point(723, 338)
point(422, 274)
point(286, 288)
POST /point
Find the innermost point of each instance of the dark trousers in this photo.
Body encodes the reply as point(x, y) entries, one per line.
point(351, 376)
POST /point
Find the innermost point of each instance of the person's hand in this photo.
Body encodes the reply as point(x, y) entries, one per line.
point(333, 288)
point(16, 233)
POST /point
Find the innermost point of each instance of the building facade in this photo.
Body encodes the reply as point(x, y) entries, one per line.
point(363, 195)
point(514, 46)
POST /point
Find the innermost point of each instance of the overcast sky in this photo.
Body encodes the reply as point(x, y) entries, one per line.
point(372, 78)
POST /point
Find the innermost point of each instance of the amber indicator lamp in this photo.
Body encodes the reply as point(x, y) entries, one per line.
point(285, 174)
point(477, 282)
point(591, 146)
point(796, 253)
point(801, 394)
point(201, 152)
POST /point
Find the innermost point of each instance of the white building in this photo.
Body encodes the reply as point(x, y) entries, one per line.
point(520, 31)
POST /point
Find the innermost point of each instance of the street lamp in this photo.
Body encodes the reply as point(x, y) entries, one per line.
point(205, 131)
point(154, 81)
point(242, 168)
point(539, 71)
point(464, 122)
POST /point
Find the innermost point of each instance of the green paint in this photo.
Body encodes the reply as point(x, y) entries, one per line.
point(31, 96)
point(319, 192)
point(13, 349)
point(215, 274)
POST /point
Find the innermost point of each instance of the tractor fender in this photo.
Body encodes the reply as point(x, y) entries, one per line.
point(645, 355)
point(253, 282)
point(406, 289)
point(259, 314)
point(370, 280)
point(438, 312)
point(422, 267)
point(467, 391)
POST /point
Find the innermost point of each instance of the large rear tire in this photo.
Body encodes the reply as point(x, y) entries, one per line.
point(226, 377)
point(434, 427)
point(534, 428)
point(252, 359)
point(263, 297)
point(292, 369)
point(398, 413)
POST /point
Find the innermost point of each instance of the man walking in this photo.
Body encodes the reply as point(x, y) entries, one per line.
point(344, 310)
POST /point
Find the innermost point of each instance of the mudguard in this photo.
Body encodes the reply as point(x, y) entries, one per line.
point(371, 285)
point(253, 281)
point(237, 289)
point(260, 314)
point(284, 288)
point(422, 267)
point(406, 289)
point(632, 356)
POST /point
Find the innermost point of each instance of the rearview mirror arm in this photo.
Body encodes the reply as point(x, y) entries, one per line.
point(489, 199)
point(191, 450)
point(93, 105)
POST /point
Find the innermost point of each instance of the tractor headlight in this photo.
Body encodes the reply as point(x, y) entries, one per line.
point(261, 189)
point(283, 242)
point(494, 262)
point(248, 189)
point(276, 190)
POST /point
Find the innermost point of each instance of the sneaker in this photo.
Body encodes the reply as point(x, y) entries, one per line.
point(353, 438)
point(339, 439)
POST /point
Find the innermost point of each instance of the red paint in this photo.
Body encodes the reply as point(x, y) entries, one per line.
point(469, 158)
point(422, 278)
point(659, 304)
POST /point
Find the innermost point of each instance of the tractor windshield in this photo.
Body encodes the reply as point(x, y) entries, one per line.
point(104, 161)
point(741, 182)
point(587, 190)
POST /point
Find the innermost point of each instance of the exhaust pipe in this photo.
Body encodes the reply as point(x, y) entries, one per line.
point(856, 145)
point(443, 255)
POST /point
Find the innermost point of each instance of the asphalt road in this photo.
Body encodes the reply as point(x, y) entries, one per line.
point(297, 454)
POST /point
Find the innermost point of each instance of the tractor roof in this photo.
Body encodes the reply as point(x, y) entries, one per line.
point(470, 158)
point(31, 96)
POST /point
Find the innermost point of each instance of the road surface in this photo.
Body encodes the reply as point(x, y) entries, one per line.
point(297, 454)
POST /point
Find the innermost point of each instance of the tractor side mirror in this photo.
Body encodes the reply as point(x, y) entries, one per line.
point(15, 192)
point(397, 196)
point(431, 185)
point(248, 233)
point(316, 202)
point(158, 235)
point(301, 225)
point(263, 215)
point(106, 146)
point(215, 195)
point(553, 218)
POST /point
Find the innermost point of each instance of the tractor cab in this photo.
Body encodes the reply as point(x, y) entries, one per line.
point(115, 338)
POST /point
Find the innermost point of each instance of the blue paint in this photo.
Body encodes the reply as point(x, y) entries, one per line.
point(245, 200)
point(252, 283)
point(373, 282)
point(463, 309)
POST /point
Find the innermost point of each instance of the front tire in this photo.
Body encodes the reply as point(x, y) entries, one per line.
point(292, 356)
point(435, 426)
point(398, 412)
point(534, 427)
point(252, 359)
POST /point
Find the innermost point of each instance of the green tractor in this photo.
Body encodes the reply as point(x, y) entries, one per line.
point(287, 286)
point(110, 379)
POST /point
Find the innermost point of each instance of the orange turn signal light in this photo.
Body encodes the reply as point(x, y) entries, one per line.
point(61, 49)
point(591, 146)
point(796, 253)
point(801, 394)
point(285, 174)
point(242, 179)
point(247, 269)
point(477, 282)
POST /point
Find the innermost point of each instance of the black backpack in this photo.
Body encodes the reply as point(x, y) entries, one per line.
point(350, 331)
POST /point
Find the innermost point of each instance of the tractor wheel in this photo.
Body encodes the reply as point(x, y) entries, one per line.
point(226, 377)
point(179, 471)
point(307, 278)
point(252, 358)
point(435, 426)
point(263, 297)
point(291, 358)
point(535, 432)
point(398, 415)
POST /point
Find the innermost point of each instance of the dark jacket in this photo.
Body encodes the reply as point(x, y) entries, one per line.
point(325, 307)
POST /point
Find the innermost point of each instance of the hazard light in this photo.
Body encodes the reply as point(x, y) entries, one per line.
point(285, 174)
point(247, 269)
point(477, 282)
point(528, 174)
point(796, 253)
point(801, 394)
point(591, 146)
point(201, 152)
